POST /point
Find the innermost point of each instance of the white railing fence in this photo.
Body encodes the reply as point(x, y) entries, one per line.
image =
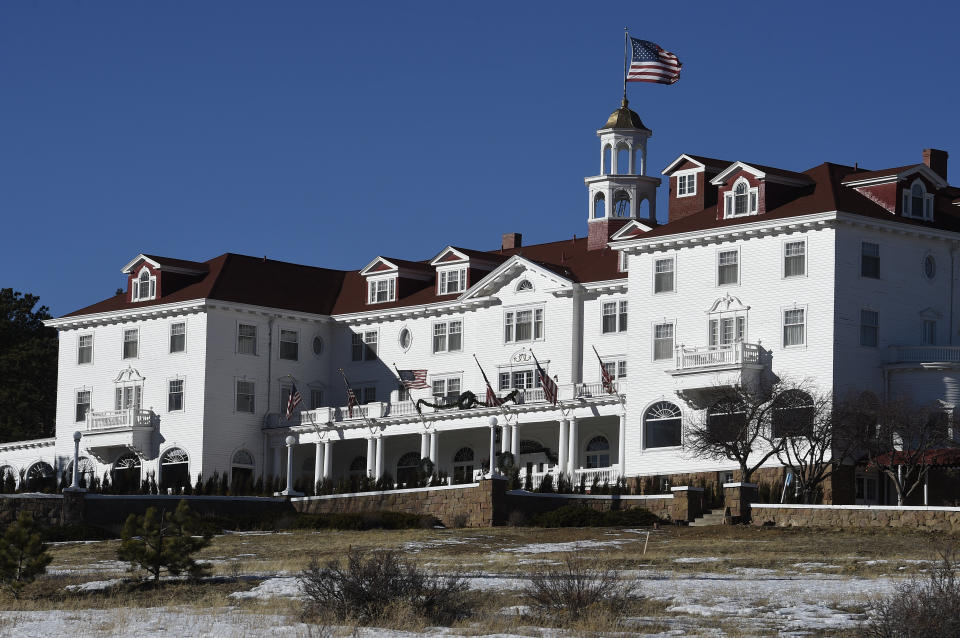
point(923, 354)
point(709, 356)
point(128, 418)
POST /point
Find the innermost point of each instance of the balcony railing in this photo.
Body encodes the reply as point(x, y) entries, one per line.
point(923, 354)
point(376, 410)
point(112, 419)
point(603, 475)
point(727, 356)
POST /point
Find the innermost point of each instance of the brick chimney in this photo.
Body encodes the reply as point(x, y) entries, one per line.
point(936, 160)
point(511, 240)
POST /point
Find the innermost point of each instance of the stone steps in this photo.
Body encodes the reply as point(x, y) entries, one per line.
point(709, 517)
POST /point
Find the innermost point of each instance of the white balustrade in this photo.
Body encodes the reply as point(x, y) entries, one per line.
point(923, 354)
point(730, 355)
point(128, 418)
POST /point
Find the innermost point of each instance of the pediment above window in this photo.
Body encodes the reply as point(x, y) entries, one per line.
point(728, 303)
point(130, 375)
point(631, 230)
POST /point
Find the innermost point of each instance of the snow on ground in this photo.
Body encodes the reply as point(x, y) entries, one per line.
point(698, 559)
point(95, 585)
point(416, 546)
point(548, 548)
point(286, 587)
point(97, 567)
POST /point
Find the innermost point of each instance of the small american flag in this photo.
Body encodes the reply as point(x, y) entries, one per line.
point(549, 386)
point(351, 401)
point(605, 376)
point(413, 379)
point(650, 63)
point(293, 400)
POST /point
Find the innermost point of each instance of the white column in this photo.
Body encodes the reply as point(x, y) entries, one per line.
point(291, 441)
point(574, 446)
point(493, 445)
point(434, 442)
point(424, 445)
point(505, 438)
point(622, 444)
point(379, 466)
point(562, 447)
point(371, 456)
point(319, 468)
point(515, 443)
point(327, 459)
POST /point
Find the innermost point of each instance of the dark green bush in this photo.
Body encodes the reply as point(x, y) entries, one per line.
point(580, 516)
point(365, 520)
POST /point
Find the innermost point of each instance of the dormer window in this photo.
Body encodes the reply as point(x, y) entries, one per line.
point(686, 184)
point(742, 200)
point(382, 289)
point(918, 203)
point(144, 286)
point(451, 281)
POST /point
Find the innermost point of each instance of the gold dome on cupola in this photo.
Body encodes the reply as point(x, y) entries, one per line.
point(623, 117)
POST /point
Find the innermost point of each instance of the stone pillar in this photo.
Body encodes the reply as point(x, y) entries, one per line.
point(74, 507)
point(371, 457)
point(434, 442)
point(737, 499)
point(687, 503)
point(319, 468)
point(505, 438)
point(573, 448)
point(493, 501)
point(515, 443)
point(424, 445)
point(562, 446)
point(327, 459)
point(379, 465)
point(622, 445)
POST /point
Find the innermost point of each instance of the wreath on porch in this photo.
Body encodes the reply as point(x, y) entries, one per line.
point(466, 401)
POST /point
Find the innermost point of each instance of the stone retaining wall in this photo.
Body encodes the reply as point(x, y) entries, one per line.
point(945, 519)
point(527, 504)
point(46, 509)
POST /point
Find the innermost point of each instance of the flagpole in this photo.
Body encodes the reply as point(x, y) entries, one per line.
point(626, 42)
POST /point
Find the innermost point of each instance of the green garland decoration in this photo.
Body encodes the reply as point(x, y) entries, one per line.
point(466, 401)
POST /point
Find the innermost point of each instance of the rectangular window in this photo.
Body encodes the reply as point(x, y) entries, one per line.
point(686, 185)
point(246, 339)
point(131, 341)
point(439, 337)
point(624, 261)
point(289, 345)
point(447, 387)
point(381, 290)
point(869, 328)
point(663, 275)
point(452, 281)
point(83, 404)
point(363, 346)
point(870, 260)
point(525, 379)
point(614, 317)
point(316, 399)
point(246, 397)
point(621, 369)
point(795, 259)
point(356, 347)
point(929, 336)
point(728, 267)
point(663, 341)
point(175, 395)
point(727, 330)
point(369, 394)
point(616, 369)
point(178, 337)
point(448, 336)
point(524, 330)
point(127, 397)
point(85, 349)
point(794, 328)
point(504, 381)
point(523, 325)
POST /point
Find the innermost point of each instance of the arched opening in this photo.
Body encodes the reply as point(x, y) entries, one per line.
point(8, 479)
point(662, 423)
point(917, 196)
point(607, 153)
point(623, 160)
point(793, 414)
point(174, 469)
point(598, 452)
point(408, 469)
point(740, 198)
point(126, 474)
point(524, 285)
point(621, 204)
point(41, 478)
point(726, 420)
point(85, 472)
point(463, 465)
point(643, 209)
point(241, 472)
point(599, 206)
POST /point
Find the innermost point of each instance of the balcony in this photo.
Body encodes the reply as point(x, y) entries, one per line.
point(111, 432)
point(711, 358)
point(529, 398)
point(924, 356)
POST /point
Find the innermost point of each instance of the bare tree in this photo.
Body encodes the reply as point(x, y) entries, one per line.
point(735, 427)
point(807, 437)
point(897, 437)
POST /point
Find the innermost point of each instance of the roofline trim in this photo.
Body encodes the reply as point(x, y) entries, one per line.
point(127, 314)
point(401, 312)
point(721, 177)
point(505, 267)
point(928, 172)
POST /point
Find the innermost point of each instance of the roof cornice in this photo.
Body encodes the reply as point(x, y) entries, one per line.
point(127, 314)
point(27, 445)
point(721, 177)
point(421, 310)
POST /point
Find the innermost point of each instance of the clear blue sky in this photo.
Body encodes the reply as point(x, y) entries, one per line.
point(328, 133)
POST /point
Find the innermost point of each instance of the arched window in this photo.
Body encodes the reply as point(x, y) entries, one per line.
point(241, 471)
point(599, 206)
point(463, 465)
point(792, 414)
point(174, 469)
point(740, 199)
point(408, 469)
point(126, 474)
point(144, 286)
point(662, 425)
point(358, 467)
point(726, 420)
point(607, 153)
point(598, 452)
point(85, 472)
point(917, 193)
point(623, 160)
point(41, 478)
point(621, 204)
point(524, 285)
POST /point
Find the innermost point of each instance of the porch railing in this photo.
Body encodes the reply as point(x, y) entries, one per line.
point(923, 354)
point(734, 354)
point(128, 418)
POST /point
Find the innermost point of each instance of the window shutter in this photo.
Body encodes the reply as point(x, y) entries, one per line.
point(371, 292)
point(728, 204)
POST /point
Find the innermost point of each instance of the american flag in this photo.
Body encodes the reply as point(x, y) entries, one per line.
point(650, 63)
point(605, 376)
point(549, 385)
point(293, 400)
point(351, 396)
point(413, 379)
point(492, 400)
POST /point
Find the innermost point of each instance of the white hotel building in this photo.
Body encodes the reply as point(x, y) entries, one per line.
point(836, 275)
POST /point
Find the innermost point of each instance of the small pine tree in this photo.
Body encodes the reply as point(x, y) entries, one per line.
point(154, 489)
point(105, 485)
point(154, 542)
point(222, 487)
point(258, 486)
point(145, 486)
point(23, 556)
point(198, 487)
